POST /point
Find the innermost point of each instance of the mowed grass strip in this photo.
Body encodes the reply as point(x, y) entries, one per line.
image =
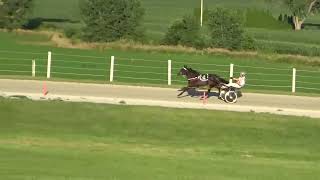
point(59, 140)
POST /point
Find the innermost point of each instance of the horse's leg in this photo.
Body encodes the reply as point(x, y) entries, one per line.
point(184, 89)
point(209, 90)
point(211, 85)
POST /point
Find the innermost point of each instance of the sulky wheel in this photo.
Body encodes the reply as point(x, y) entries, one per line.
point(231, 97)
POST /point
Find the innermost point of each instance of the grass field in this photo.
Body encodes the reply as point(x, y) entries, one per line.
point(156, 22)
point(271, 35)
point(144, 67)
point(70, 141)
point(83, 141)
point(302, 37)
point(154, 16)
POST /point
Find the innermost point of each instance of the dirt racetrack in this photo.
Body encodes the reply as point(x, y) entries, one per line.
point(151, 96)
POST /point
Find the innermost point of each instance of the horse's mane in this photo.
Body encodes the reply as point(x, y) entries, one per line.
point(193, 71)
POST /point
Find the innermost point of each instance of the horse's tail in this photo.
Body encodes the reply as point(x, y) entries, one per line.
point(219, 79)
point(222, 80)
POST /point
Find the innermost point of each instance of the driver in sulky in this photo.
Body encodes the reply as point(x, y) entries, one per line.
point(236, 82)
point(239, 82)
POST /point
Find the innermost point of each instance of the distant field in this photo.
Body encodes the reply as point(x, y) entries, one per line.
point(261, 26)
point(282, 41)
point(52, 9)
point(155, 20)
point(311, 37)
point(60, 141)
point(145, 67)
point(154, 9)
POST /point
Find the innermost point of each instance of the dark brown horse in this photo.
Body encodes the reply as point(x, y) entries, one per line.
point(197, 80)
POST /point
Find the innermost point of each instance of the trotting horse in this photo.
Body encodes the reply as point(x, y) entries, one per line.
point(196, 80)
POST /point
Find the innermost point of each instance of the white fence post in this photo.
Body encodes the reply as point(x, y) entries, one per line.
point(169, 72)
point(49, 65)
point(33, 68)
point(294, 73)
point(201, 13)
point(111, 68)
point(231, 73)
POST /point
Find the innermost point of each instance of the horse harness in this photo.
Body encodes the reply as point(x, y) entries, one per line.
point(201, 77)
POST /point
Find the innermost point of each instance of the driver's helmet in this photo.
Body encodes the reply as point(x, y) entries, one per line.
point(242, 74)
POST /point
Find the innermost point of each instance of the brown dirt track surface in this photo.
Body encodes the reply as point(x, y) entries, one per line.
point(165, 97)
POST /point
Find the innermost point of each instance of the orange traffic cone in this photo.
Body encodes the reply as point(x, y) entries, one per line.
point(44, 89)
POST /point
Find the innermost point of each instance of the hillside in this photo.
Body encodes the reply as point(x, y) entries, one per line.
point(262, 22)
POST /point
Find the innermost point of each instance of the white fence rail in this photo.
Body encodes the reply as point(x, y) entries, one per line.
point(159, 71)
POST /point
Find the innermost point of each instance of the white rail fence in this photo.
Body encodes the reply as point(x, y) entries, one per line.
point(145, 69)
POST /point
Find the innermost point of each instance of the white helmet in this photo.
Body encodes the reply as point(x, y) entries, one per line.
point(242, 74)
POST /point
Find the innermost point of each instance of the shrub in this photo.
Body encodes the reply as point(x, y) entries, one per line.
point(226, 29)
point(280, 18)
point(185, 32)
point(71, 32)
point(248, 42)
point(14, 13)
point(111, 20)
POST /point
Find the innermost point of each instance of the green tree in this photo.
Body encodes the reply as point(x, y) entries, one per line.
point(14, 13)
point(227, 29)
point(300, 9)
point(184, 32)
point(111, 20)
